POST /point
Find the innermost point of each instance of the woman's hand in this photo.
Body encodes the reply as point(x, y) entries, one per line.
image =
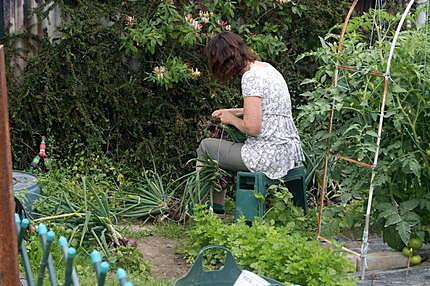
point(252, 116)
point(226, 116)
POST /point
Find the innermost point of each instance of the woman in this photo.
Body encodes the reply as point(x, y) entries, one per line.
point(273, 145)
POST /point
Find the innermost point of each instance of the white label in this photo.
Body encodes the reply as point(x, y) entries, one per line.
point(247, 278)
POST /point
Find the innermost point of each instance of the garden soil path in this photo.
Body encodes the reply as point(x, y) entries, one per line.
point(166, 264)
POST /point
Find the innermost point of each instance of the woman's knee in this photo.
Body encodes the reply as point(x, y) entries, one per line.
point(204, 148)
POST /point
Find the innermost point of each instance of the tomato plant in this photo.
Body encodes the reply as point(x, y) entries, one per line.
point(402, 183)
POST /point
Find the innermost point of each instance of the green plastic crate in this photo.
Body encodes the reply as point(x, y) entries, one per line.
point(296, 184)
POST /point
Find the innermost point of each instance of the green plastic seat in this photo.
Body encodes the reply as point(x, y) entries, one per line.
point(225, 276)
point(251, 191)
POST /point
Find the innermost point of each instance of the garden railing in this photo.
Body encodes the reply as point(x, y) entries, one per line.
point(47, 238)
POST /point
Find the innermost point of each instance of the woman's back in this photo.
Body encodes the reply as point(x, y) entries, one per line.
point(277, 148)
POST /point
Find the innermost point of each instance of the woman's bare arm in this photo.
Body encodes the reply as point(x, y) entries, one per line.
point(252, 116)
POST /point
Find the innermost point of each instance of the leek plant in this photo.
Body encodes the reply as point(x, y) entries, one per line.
point(93, 205)
point(199, 185)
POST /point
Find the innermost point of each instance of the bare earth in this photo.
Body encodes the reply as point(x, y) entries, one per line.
point(160, 252)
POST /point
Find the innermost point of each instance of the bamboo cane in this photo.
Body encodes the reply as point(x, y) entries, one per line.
point(325, 175)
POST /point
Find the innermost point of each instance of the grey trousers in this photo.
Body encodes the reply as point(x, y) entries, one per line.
point(227, 153)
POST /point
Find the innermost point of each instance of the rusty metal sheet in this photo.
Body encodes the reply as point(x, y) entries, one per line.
point(8, 240)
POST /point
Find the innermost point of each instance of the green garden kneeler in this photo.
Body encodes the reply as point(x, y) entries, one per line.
point(250, 195)
point(251, 190)
point(225, 276)
point(296, 184)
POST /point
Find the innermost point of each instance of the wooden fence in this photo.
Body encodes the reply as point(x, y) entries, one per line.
point(17, 16)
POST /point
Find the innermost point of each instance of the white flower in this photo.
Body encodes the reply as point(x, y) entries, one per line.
point(195, 73)
point(204, 16)
point(160, 72)
point(228, 28)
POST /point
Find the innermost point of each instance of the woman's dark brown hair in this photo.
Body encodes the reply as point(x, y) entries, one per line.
point(228, 55)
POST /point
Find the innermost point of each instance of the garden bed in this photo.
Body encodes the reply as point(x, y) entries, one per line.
point(389, 267)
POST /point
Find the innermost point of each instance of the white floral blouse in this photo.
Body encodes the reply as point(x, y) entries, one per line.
point(277, 148)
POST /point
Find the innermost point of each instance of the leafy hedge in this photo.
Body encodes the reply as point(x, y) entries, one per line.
point(129, 77)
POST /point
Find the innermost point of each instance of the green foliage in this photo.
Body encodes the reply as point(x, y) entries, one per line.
point(200, 185)
point(402, 182)
point(283, 212)
point(91, 205)
point(276, 252)
point(343, 219)
point(131, 259)
point(173, 73)
point(92, 216)
point(99, 85)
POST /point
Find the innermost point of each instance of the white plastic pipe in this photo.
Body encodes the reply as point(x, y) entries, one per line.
point(422, 16)
point(365, 243)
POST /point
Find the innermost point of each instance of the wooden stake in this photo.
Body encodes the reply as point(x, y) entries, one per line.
point(359, 163)
point(328, 241)
point(323, 189)
point(357, 69)
point(8, 240)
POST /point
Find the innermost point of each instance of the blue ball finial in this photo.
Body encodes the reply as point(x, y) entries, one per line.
point(51, 235)
point(41, 229)
point(104, 267)
point(62, 241)
point(121, 274)
point(71, 252)
point(95, 256)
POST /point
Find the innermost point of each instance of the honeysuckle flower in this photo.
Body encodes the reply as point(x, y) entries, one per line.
point(195, 73)
point(159, 72)
point(129, 20)
point(197, 25)
point(283, 1)
point(204, 16)
point(224, 25)
point(189, 18)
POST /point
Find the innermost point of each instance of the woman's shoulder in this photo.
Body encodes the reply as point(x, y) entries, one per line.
point(261, 70)
point(257, 69)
